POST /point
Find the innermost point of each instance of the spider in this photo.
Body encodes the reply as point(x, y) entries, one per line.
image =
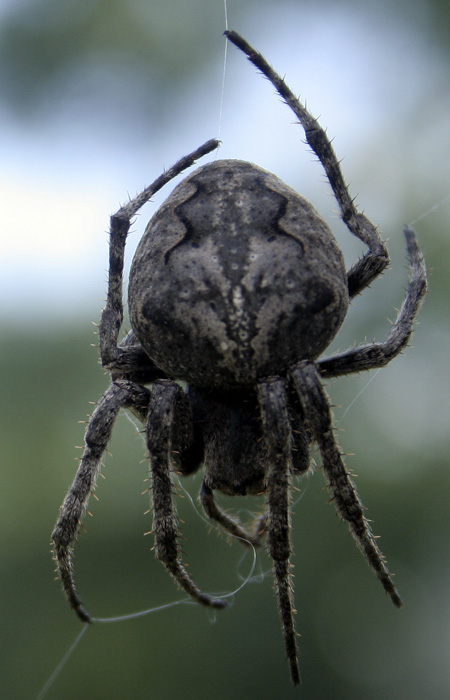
point(235, 290)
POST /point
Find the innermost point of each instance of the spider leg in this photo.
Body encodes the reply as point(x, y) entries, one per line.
point(377, 258)
point(318, 418)
point(213, 511)
point(165, 396)
point(120, 394)
point(276, 425)
point(125, 359)
point(379, 354)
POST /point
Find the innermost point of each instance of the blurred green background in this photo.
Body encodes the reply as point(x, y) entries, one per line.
point(96, 98)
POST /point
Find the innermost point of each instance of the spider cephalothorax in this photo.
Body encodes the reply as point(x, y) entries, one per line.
point(236, 289)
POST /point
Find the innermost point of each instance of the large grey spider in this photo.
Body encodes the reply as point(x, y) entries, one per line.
point(236, 289)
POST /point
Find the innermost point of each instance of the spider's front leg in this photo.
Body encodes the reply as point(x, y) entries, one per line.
point(317, 415)
point(169, 415)
point(121, 394)
point(278, 437)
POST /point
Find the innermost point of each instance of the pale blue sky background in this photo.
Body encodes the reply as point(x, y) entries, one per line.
point(372, 75)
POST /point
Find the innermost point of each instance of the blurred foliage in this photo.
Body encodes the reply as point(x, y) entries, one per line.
point(353, 644)
point(109, 48)
point(48, 48)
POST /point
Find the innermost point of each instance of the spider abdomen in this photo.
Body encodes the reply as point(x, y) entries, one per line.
point(236, 278)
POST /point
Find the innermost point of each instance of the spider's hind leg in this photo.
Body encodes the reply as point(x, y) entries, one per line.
point(376, 258)
point(169, 416)
point(374, 354)
point(124, 358)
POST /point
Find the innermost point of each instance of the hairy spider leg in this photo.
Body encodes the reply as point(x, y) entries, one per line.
point(277, 432)
point(127, 358)
point(121, 394)
point(375, 355)
point(124, 359)
point(377, 258)
point(344, 496)
point(231, 525)
point(165, 396)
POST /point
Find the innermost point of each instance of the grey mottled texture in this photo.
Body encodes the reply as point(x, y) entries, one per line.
point(235, 278)
point(236, 288)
